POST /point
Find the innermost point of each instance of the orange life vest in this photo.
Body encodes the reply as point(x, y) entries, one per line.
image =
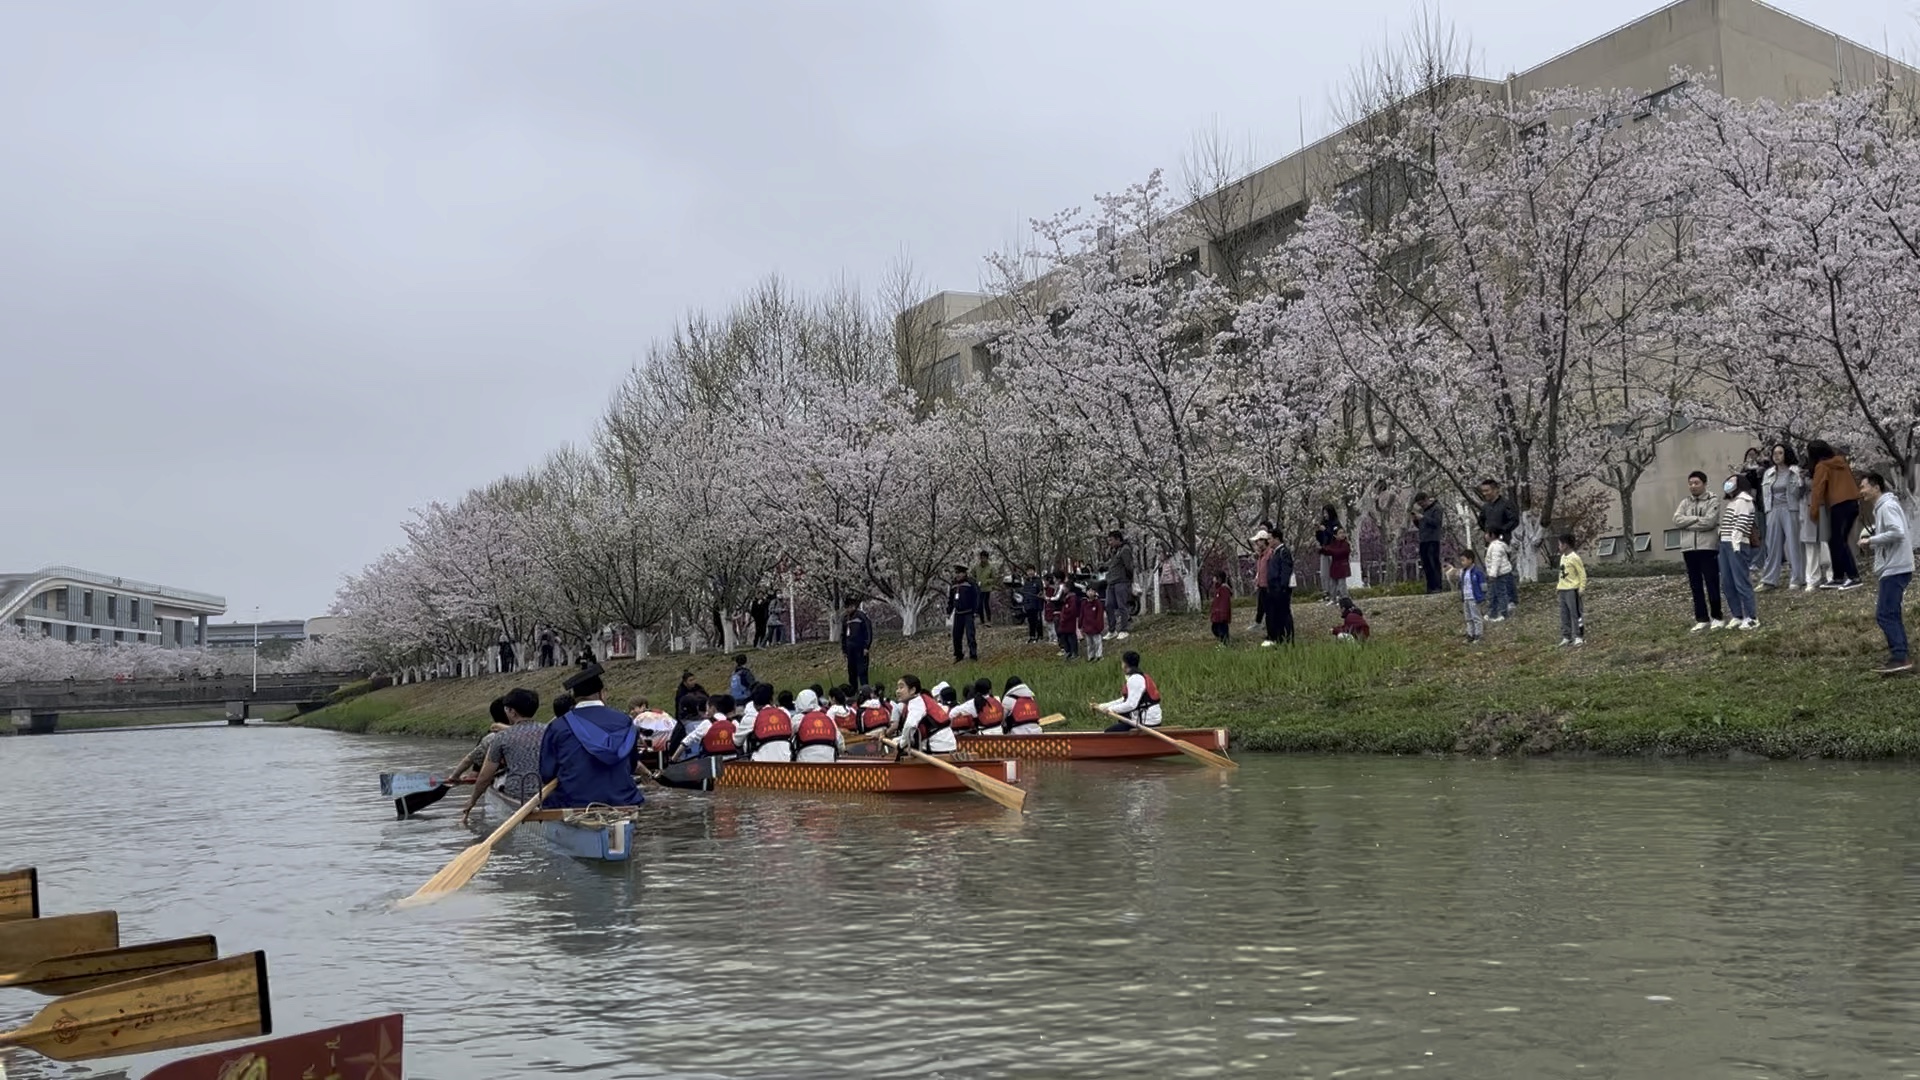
point(719, 739)
point(818, 729)
point(1026, 711)
point(772, 724)
point(961, 721)
point(1151, 697)
point(873, 718)
point(992, 713)
point(936, 718)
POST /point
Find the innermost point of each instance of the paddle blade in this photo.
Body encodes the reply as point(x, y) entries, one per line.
point(84, 971)
point(212, 1002)
point(697, 773)
point(999, 791)
point(395, 784)
point(413, 802)
point(369, 1048)
point(20, 894)
point(457, 873)
point(25, 942)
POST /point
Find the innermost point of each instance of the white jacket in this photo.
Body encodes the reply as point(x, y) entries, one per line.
point(1499, 559)
point(1130, 706)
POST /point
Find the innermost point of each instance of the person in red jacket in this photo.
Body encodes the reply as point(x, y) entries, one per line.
point(1339, 556)
point(1066, 622)
point(1093, 627)
point(1353, 623)
point(1221, 613)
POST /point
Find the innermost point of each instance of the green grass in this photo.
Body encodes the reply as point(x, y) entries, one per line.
point(1798, 687)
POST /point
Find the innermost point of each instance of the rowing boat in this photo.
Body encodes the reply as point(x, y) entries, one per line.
point(598, 833)
point(862, 775)
point(1091, 745)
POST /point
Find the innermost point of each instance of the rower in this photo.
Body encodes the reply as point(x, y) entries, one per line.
point(514, 752)
point(963, 714)
point(840, 712)
point(478, 755)
point(989, 714)
point(1139, 700)
point(771, 738)
point(922, 720)
point(713, 736)
point(874, 714)
point(593, 751)
point(1023, 713)
point(818, 737)
point(656, 728)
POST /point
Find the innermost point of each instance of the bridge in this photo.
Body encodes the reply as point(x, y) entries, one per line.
point(36, 706)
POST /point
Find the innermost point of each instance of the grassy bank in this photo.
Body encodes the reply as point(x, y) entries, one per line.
point(1800, 686)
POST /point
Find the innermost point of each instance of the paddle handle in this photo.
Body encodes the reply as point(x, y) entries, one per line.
point(520, 815)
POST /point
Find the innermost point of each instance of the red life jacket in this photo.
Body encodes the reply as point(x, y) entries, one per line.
point(719, 739)
point(873, 718)
point(1151, 697)
point(1026, 711)
point(992, 713)
point(772, 724)
point(818, 729)
point(936, 718)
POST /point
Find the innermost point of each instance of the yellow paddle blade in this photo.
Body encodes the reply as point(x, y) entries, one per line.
point(24, 942)
point(84, 971)
point(457, 873)
point(20, 894)
point(212, 1002)
point(998, 790)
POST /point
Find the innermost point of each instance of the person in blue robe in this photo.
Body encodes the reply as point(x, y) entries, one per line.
point(593, 750)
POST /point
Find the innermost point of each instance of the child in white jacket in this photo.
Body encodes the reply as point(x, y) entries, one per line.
point(1500, 579)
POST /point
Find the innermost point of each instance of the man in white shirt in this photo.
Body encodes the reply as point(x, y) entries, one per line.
point(1140, 701)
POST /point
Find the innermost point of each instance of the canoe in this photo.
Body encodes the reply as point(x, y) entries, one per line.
point(1091, 745)
point(608, 842)
point(882, 776)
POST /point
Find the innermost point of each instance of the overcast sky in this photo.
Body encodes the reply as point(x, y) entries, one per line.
point(272, 273)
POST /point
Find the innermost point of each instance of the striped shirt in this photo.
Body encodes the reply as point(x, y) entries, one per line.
point(1736, 520)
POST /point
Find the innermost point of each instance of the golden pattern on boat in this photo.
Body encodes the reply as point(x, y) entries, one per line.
point(804, 776)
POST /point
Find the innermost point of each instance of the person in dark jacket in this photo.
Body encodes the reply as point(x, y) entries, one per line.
point(1033, 600)
point(1497, 514)
point(856, 641)
point(1120, 570)
point(1329, 521)
point(1279, 593)
point(963, 607)
point(1426, 523)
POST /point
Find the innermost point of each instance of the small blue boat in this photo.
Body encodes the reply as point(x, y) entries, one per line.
point(603, 833)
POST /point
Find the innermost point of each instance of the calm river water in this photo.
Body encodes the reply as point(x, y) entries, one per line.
point(1306, 917)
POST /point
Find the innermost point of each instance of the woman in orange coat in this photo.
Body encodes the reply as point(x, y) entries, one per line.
point(1837, 496)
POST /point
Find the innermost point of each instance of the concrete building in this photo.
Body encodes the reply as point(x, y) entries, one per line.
point(1742, 48)
point(81, 606)
point(240, 635)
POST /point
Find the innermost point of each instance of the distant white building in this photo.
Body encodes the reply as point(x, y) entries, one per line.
point(80, 606)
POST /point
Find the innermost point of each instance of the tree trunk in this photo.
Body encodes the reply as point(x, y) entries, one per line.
point(1626, 519)
point(639, 642)
point(1526, 547)
point(908, 606)
point(1187, 565)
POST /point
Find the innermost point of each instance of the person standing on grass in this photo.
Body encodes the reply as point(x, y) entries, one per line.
point(1336, 565)
point(1322, 537)
point(1836, 495)
point(1497, 514)
point(1279, 593)
point(983, 577)
point(1892, 548)
point(1698, 519)
point(1783, 496)
point(963, 607)
point(1120, 585)
point(1093, 627)
point(1736, 552)
point(1220, 613)
point(1500, 583)
point(856, 642)
point(1262, 547)
point(1572, 591)
point(1473, 593)
point(1426, 522)
point(1066, 621)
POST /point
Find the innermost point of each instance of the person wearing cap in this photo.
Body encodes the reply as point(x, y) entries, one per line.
point(513, 755)
point(593, 751)
point(815, 732)
point(1279, 592)
point(1262, 539)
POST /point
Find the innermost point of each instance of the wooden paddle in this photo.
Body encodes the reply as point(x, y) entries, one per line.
point(84, 971)
point(24, 942)
point(20, 894)
point(998, 790)
point(1218, 761)
point(213, 1002)
point(457, 873)
point(373, 1048)
point(867, 736)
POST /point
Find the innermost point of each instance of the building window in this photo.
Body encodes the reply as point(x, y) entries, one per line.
point(86, 603)
point(113, 608)
point(133, 611)
point(946, 375)
point(96, 634)
point(1643, 542)
point(1658, 100)
point(179, 631)
point(1672, 539)
point(73, 633)
point(1609, 545)
point(119, 636)
point(46, 629)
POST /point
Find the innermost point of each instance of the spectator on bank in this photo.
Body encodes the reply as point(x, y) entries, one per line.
point(1501, 583)
point(1093, 627)
point(1066, 621)
point(1353, 622)
point(1572, 592)
point(1892, 547)
point(1336, 565)
point(1753, 467)
point(1837, 497)
point(506, 655)
point(984, 577)
point(856, 642)
point(1783, 500)
point(1737, 524)
point(1262, 547)
point(1698, 519)
point(1033, 600)
point(1473, 593)
point(1220, 612)
point(963, 607)
point(1425, 516)
point(1279, 593)
point(1120, 570)
point(1497, 514)
point(1329, 523)
point(1813, 544)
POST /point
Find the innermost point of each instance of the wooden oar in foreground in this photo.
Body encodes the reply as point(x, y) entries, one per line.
point(84, 971)
point(998, 790)
point(1218, 761)
point(363, 1048)
point(29, 941)
point(457, 873)
point(20, 894)
point(213, 1002)
point(866, 736)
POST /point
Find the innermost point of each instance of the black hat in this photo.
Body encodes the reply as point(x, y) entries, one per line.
point(590, 673)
